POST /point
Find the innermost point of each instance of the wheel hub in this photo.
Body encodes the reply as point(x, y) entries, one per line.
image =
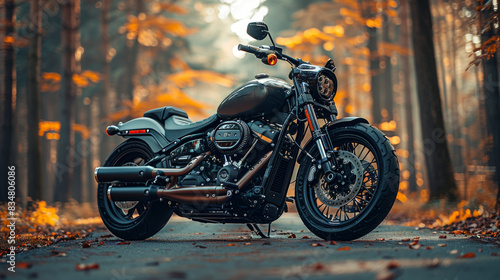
point(346, 187)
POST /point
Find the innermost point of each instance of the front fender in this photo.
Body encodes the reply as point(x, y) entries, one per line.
point(154, 137)
point(347, 121)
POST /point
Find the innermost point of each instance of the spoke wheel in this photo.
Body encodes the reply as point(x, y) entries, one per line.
point(131, 220)
point(355, 203)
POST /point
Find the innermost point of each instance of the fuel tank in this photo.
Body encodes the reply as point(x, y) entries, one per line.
point(257, 97)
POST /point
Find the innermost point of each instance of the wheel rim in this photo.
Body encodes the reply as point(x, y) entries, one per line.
point(345, 213)
point(119, 217)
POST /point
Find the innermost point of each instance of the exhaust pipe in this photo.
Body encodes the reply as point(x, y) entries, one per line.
point(108, 174)
point(188, 195)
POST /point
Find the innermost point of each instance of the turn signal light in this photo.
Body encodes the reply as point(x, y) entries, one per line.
point(272, 59)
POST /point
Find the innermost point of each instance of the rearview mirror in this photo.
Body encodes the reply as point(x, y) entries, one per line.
point(257, 30)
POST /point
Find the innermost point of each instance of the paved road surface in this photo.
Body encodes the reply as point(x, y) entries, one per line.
point(189, 250)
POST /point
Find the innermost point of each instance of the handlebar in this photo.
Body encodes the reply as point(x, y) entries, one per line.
point(261, 52)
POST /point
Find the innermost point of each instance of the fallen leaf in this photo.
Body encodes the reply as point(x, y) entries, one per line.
point(318, 266)
point(429, 247)
point(441, 245)
point(416, 238)
point(306, 237)
point(24, 265)
point(434, 263)
point(202, 247)
point(332, 243)
point(380, 239)
point(292, 235)
point(107, 236)
point(415, 242)
point(454, 252)
point(442, 236)
point(392, 265)
point(86, 244)
point(248, 243)
point(415, 246)
point(406, 240)
point(58, 253)
point(467, 256)
point(457, 232)
point(101, 243)
point(317, 245)
point(347, 248)
point(123, 243)
point(232, 244)
point(90, 266)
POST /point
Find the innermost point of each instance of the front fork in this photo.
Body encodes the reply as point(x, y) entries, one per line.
point(328, 161)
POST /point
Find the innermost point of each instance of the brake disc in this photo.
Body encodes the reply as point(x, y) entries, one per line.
point(340, 193)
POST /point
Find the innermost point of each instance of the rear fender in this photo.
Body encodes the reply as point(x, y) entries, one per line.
point(153, 134)
point(348, 121)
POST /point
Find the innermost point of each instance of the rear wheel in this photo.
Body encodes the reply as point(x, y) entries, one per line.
point(131, 220)
point(359, 200)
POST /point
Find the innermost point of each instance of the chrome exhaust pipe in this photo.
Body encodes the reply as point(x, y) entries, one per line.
point(108, 174)
point(188, 195)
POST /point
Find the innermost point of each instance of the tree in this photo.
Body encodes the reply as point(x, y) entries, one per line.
point(66, 144)
point(437, 156)
point(33, 101)
point(490, 43)
point(7, 130)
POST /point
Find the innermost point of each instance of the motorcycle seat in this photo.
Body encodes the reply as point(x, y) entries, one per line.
point(178, 126)
point(162, 114)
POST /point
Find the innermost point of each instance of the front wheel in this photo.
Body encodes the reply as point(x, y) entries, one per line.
point(131, 220)
point(361, 197)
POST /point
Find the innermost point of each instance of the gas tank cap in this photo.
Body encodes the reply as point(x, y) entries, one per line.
point(261, 76)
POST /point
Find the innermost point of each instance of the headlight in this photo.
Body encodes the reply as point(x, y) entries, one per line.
point(326, 85)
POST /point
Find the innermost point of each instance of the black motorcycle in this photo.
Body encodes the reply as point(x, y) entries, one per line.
point(236, 166)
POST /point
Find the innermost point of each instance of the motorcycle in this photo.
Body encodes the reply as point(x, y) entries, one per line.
point(236, 166)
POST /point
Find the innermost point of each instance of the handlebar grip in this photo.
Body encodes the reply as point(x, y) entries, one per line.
point(248, 48)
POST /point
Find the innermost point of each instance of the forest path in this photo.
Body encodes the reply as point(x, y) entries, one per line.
point(190, 250)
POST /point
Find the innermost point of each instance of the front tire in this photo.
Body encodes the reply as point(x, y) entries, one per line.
point(144, 219)
point(353, 215)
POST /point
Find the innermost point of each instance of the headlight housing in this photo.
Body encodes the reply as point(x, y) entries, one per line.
point(324, 87)
point(322, 82)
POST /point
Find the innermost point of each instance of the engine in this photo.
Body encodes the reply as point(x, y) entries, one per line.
point(235, 145)
point(238, 137)
point(231, 137)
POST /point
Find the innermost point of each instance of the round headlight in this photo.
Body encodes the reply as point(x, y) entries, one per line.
point(326, 84)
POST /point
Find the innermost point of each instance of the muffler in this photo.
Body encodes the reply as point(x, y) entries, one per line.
point(108, 174)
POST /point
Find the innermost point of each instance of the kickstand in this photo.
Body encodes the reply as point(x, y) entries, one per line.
point(255, 228)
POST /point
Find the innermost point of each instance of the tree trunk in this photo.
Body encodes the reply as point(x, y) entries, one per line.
point(66, 145)
point(33, 100)
point(6, 148)
point(492, 101)
point(387, 100)
point(366, 9)
point(437, 157)
point(407, 89)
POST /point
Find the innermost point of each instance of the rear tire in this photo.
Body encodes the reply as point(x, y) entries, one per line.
point(150, 217)
point(373, 201)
